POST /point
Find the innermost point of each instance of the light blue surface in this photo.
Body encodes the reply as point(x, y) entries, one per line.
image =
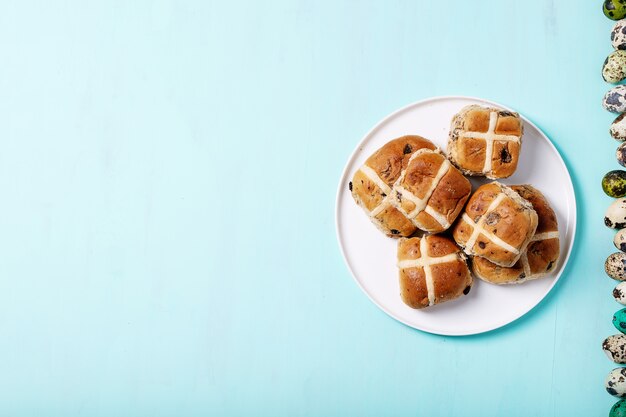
point(168, 173)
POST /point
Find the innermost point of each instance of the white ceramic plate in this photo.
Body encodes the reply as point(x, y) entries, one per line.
point(371, 256)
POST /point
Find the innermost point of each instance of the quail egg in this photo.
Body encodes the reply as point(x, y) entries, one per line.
point(615, 99)
point(615, 216)
point(620, 240)
point(618, 128)
point(614, 68)
point(615, 266)
point(620, 154)
point(619, 320)
point(618, 35)
point(614, 9)
point(619, 293)
point(614, 183)
point(615, 348)
point(615, 382)
point(618, 409)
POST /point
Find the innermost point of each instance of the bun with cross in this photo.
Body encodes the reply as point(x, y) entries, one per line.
point(542, 252)
point(430, 192)
point(497, 224)
point(432, 270)
point(371, 185)
point(485, 141)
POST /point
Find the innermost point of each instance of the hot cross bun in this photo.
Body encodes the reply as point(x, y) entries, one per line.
point(485, 141)
point(432, 270)
point(371, 184)
point(497, 224)
point(542, 253)
point(431, 192)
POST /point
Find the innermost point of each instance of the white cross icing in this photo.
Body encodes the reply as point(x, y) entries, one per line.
point(373, 176)
point(425, 261)
point(545, 236)
point(478, 228)
point(421, 204)
point(537, 237)
point(490, 137)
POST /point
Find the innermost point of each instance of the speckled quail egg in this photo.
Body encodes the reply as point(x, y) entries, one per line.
point(620, 154)
point(619, 320)
point(615, 348)
point(614, 9)
point(618, 35)
point(619, 293)
point(615, 266)
point(618, 409)
point(620, 240)
point(615, 99)
point(614, 183)
point(615, 216)
point(615, 382)
point(614, 68)
point(618, 128)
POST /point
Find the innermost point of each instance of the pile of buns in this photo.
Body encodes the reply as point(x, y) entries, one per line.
point(415, 192)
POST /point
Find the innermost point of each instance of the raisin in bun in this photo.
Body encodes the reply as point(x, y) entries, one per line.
point(497, 224)
point(431, 192)
point(432, 270)
point(485, 141)
point(541, 255)
point(371, 184)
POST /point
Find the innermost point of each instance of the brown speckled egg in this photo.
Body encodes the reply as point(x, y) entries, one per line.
point(615, 348)
point(615, 215)
point(619, 292)
point(615, 266)
point(620, 154)
point(615, 382)
point(618, 128)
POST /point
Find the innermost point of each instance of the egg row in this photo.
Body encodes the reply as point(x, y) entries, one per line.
point(615, 266)
point(614, 68)
point(614, 185)
point(614, 71)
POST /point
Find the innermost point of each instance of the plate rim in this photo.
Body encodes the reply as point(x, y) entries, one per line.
point(340, 188)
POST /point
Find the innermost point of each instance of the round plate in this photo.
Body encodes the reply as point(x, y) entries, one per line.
point(371, 256)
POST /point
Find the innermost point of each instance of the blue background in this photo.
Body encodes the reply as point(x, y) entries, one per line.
point(168, 175)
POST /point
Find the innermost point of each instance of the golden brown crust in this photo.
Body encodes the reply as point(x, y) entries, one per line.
point(421, 171)
point(496, 274)
point(506, 227)
point(391, 159)
point(469, 154)
point(547, 221)
point(450, 279)
point(387, 163)
point(413, 288)
point(541, 256)
point(431, 178)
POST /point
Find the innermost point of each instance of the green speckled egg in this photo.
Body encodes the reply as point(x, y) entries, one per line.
point(614, 9)
point(614, 183)
point(614, 67)
point(619, 320)
point(618, 409)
